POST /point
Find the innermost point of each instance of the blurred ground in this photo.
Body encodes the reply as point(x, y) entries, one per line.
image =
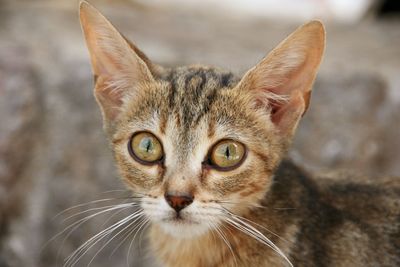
point(53, 153)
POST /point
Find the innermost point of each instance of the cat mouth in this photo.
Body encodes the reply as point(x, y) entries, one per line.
point(182, 227)
point(179, 220)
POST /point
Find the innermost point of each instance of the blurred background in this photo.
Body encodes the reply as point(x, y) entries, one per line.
point(54, 154)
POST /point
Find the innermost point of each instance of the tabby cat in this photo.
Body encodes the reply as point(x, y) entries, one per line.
point(203, 152)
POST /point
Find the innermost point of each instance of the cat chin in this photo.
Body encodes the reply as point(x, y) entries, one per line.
point(183, 229)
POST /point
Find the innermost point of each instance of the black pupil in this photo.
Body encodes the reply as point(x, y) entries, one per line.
point(148, 144)
point(227, 152)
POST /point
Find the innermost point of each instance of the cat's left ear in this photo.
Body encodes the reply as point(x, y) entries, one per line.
point(118, 65)
point(283, 80)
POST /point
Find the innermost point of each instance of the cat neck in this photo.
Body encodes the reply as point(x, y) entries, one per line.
point(212, 250)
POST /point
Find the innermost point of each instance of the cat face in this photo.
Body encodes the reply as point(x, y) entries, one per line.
point(214, 151)
point(196, 142)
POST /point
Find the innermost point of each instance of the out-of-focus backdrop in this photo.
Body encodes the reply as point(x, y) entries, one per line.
point(53, 153)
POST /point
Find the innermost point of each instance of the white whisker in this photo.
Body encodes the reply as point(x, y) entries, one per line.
point(117, 234)
point(118, 212)
point(253, 205)
point(259, 225)
point(253, 232)
point(81, 251)
point(85, 204)
point(73, 226)
point(226, 241)
point(78, 223)
point(75, 257)
point(141, 235)
point(220, 232)
point(95, 209)
point(130, 232)
point(145, 221)
point(212, 227)
point(117, 190)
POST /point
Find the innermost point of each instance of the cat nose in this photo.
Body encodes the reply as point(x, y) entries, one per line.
point(178, 202)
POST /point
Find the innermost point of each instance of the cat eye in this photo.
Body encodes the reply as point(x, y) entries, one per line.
point(227, 155)
point(145, 148)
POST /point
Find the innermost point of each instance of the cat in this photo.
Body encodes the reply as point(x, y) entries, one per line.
point(204, 153)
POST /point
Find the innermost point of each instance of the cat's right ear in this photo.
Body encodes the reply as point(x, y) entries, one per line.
point(118, 66)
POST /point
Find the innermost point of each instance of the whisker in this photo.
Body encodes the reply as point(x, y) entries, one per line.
point(253, 232)
point(116, 190)
point(145, 221)
point(81, 251)
point(259, 225)
point(85, 219)
point(72, 227)
point(221, 234)
point(130, 232)
point(141, 235)
point(86, 204)
point(119, 232)
point(131, 194)
point(118, 212)
point(240, 203)
point(132, 204)
point(226, 241)
point(212, 227)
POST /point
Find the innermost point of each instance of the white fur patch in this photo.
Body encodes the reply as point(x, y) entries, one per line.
point(196, 219)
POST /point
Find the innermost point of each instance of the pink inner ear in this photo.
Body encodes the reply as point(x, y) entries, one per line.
point(280, 108)
point(278, 111)
point(113, 95)
point(293, 87)
point(285, 114)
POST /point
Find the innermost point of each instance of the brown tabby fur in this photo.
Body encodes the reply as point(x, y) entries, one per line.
point(315, 222)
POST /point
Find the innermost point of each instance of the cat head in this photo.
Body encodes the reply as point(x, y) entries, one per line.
point(195, 142)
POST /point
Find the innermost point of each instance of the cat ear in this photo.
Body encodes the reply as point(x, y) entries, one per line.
point(117, 64)
point(283, 80)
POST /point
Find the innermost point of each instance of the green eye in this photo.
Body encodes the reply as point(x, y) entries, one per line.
point(145, 148)
point(227, 154)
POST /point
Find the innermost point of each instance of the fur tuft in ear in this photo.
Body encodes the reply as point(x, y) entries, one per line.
point(282, 81)
point(118, 66)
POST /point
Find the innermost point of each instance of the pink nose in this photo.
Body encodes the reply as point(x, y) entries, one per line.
point(180, 202)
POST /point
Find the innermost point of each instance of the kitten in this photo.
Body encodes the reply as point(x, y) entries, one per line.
point(203, 150)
